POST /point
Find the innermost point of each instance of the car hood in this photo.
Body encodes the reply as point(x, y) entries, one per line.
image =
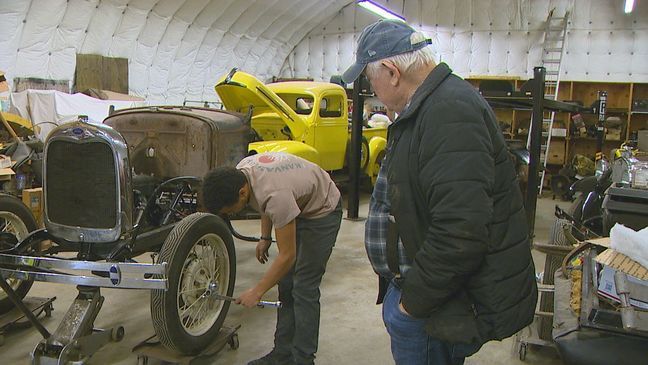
point(240, 91)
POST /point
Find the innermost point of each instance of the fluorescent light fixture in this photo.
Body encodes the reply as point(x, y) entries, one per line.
point(379, 10)
point(629, 4)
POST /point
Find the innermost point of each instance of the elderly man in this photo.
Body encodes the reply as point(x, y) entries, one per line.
point(446, 231)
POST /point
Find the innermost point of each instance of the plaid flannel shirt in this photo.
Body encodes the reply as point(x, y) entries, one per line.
point(376, 229)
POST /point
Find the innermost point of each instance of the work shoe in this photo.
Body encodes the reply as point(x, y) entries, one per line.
point(273, 358)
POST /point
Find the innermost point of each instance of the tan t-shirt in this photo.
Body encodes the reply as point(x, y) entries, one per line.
point(285, 187)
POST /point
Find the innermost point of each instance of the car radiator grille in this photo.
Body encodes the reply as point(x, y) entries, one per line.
point(81, 187)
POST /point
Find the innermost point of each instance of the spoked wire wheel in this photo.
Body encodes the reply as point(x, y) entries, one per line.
point(16, 219)
point(205, 270)
point(200, 258)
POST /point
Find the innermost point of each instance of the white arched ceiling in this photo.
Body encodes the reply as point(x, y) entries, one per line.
point(494, 38)
point(176, 49)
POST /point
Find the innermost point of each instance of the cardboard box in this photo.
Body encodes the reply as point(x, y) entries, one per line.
point(559, 132)
point(607, 287)
point(613, 134)
point(5, 161)
point(33, 199)
point(556, 153)
point(618, 261)
point(642, 140)
point(6, 174)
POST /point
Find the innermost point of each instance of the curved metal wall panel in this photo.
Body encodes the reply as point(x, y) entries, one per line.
point(494, 38)
point(176, 49)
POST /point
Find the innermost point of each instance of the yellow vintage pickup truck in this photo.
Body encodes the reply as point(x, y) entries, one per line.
point(304, 118)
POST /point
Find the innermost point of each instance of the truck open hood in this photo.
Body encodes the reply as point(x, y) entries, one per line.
point(239, 91)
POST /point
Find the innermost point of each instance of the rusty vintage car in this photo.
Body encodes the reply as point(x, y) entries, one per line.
point(116, 191)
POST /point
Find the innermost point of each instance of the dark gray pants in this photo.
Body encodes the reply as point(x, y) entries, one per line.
point(298, 320)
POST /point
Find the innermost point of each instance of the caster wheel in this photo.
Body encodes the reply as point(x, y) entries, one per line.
point(117, 334)
point(522, 351)
point(48, 310)
point(234, 342)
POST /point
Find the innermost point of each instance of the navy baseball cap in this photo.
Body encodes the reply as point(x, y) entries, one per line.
point(382, 39)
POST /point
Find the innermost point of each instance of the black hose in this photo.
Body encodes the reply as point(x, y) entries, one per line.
point(238, 235)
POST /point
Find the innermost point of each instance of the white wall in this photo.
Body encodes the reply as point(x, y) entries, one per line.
point(177, 49)
point(494, 37)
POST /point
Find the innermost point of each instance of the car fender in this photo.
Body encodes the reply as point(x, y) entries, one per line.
point(376, 146)
point(293, 147)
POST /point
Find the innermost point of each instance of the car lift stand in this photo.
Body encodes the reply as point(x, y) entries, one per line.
point(152, 348)
point(12, 320)
point(75, 340)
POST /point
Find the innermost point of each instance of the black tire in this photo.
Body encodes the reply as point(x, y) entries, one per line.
point(560, 186)
point(575, 208)
point(178, 251)
point(21, 222)
point(522, 352)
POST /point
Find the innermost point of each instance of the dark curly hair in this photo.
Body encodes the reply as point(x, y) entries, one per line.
point(220, 188)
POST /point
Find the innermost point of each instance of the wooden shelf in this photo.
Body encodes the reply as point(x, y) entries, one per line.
point(515, 109)
point(524, 103)
point(592, 139)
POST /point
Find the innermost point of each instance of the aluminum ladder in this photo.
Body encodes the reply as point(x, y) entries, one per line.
point(552, 54)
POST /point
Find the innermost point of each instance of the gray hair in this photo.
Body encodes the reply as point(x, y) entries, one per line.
point(408, 61)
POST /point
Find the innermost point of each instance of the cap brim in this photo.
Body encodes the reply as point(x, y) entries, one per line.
point(352, 73)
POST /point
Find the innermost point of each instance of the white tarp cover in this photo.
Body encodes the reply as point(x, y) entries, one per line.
point(494, 38)
point(48, 108)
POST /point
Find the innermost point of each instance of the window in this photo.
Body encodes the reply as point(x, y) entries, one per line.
point(330, 107)
point(304, 105)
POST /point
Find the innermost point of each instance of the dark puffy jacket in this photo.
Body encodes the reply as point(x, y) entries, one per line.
point(459, 213)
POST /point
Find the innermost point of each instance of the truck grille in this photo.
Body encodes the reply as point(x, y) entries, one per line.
point(81, 185)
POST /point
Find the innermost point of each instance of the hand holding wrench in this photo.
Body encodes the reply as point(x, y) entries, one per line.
point(262, 303)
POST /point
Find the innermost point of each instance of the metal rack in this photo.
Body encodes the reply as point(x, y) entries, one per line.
point(532, 97)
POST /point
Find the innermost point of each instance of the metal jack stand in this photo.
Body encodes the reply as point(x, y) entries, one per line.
point(152, 348)
point(76, 339)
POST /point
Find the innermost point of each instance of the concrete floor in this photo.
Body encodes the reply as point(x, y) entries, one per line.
point(351, 330)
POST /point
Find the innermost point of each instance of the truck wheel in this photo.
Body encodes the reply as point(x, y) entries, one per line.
point(376, 167)
point(17, 219)
point(364, 154)
point(201, 261)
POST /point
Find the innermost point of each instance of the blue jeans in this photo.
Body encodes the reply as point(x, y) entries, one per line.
point(410, 344)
